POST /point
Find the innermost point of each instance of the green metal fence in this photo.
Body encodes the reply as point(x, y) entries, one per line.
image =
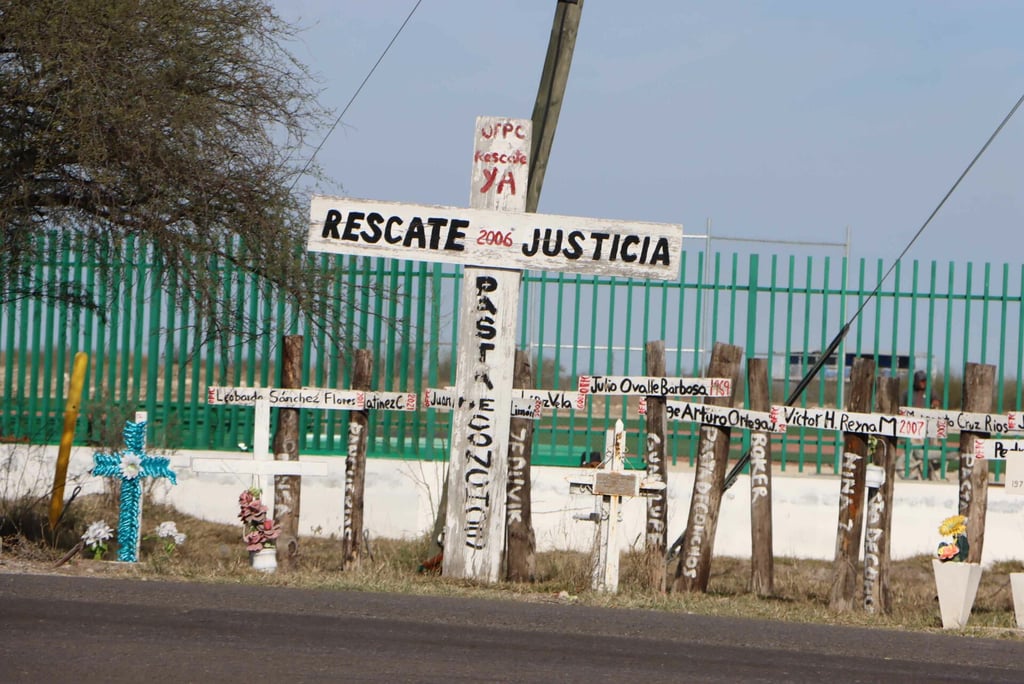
point(148, 352)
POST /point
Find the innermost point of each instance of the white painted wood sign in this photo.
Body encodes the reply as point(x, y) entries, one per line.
point(447, 400)
point(501, 239)
point(551, 400)
point(630, 385)
point(942, 422)
point(312, 398)
point(722, 416)
point(847, 421)
point(1009, 450)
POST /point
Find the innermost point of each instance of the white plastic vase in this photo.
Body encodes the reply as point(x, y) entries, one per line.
point(957, 584)
point(264, 560)
point(1017, 585)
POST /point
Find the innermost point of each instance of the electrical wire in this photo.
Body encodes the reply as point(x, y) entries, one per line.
point(935, 211)
point(380, 59)
point(822, 358)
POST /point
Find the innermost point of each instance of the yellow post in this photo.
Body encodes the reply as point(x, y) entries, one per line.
point(60, 477)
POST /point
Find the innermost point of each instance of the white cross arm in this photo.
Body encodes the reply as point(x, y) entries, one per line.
point(248, 466)
point(942, 422)
point(447, 399)
point(490, 238)
point(648, 386)
point(312, 398)
point(722, 416)
point(846, 421)
point(998, 448)
point(553, 399)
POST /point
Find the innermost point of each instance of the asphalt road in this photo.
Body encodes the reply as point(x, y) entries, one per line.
point(57, 628)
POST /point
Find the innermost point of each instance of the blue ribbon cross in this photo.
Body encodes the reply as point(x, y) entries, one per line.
point(130, 466)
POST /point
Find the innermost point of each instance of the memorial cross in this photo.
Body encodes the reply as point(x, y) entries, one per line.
point(262, 464)
point(495, 241)
point(130, 466)
point(610, 483)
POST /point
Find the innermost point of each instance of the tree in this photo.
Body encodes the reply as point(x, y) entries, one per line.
point(177, 122)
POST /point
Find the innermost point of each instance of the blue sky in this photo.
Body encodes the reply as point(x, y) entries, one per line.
point(775, 120)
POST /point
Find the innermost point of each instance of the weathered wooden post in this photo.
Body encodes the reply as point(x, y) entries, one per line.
point(762, 556)
point(288, 488)
point(656, 537)
point(521, 547)
point(880, 484)
point(851, 491)
point(694, 566)
point(979, 381)
point(355, 464)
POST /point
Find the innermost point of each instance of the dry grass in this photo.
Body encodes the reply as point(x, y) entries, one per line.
point(213, 553)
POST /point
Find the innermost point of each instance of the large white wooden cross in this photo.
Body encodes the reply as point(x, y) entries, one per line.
point(262, 464)
point(610, 483)
point(495, 240)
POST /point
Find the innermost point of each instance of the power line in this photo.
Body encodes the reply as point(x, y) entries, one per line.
point(354, 95)
point(822, 358)
point(935, 211)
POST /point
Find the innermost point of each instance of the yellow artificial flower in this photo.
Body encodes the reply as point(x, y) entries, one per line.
point(954, 526)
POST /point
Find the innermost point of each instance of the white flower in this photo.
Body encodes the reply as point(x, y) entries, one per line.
point(179, 538)
point(131, 466)
point(97, 533)
point(167, 529)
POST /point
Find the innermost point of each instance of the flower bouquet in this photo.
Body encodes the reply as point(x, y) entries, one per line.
point(956, 548)
point(259, 532)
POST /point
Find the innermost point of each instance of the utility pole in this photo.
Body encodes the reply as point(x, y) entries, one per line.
point(550, 93)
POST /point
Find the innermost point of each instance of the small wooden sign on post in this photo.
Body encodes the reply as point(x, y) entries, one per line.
point(495, 240)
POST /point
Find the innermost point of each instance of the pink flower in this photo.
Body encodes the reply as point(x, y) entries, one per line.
point(948, 551)
point(271, 530)
point(253, 541)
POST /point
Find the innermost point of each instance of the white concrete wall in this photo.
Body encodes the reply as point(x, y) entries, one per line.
point(401, 497)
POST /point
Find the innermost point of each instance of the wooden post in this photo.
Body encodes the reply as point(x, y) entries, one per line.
point(851, 491)
point(554, 77)
point(287, 488)
point(521, 547)
point(878, 531)
point(67, 436)
point(694, 566)
point(355, 464)
point(979, 380)
point(762, 557)
point(656, 539)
